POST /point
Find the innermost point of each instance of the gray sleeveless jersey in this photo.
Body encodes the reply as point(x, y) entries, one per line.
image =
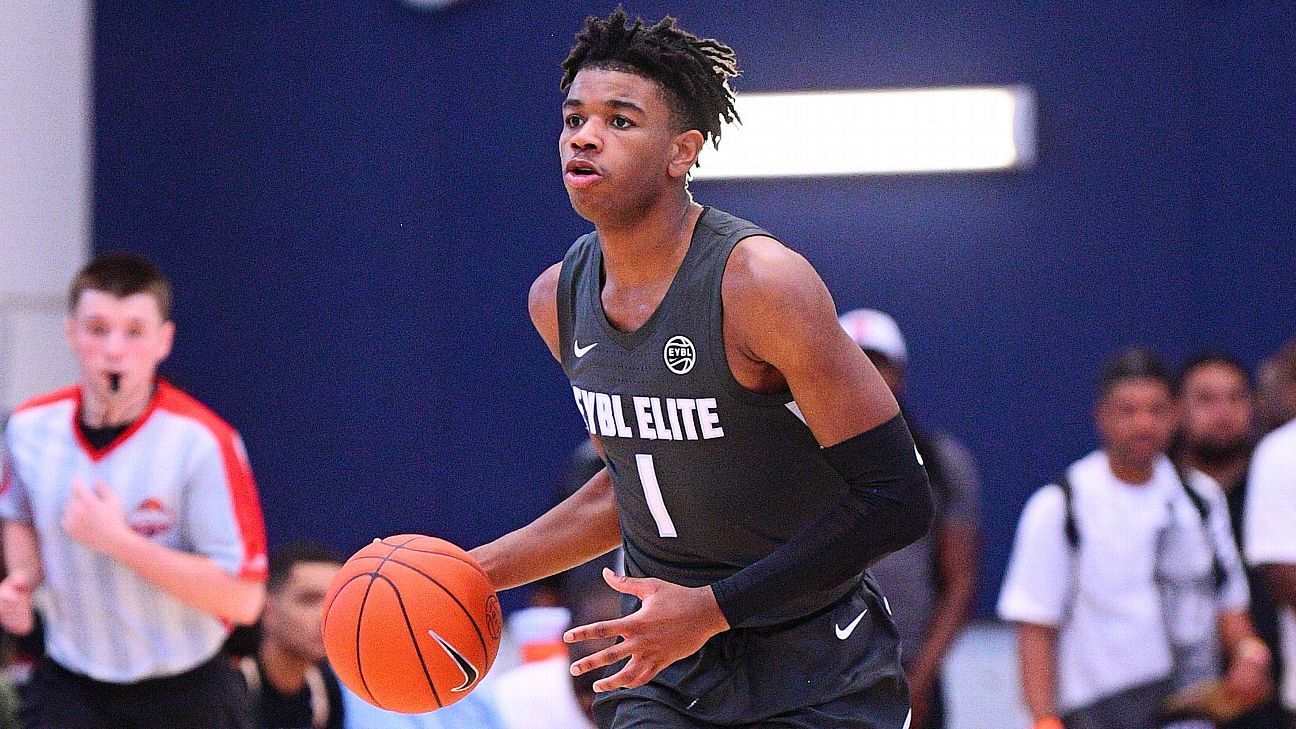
point(709, 476)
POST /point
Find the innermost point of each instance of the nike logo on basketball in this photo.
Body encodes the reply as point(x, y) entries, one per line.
point(582, 351)
point(844, 633)
point(470, 672)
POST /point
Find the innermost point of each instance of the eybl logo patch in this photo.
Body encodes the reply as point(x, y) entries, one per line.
point(679, 354)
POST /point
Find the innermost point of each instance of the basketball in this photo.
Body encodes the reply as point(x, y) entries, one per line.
point(411, 623)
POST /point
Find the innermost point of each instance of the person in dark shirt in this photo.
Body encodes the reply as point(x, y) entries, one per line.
point(1217, 437)
point(931, 583)
point(292, 686)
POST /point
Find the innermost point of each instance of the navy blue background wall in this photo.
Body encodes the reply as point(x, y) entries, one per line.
point(353, 197)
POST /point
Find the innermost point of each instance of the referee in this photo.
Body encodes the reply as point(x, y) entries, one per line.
point(131, 518)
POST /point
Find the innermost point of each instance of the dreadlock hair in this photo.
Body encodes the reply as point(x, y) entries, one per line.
point(693, 71)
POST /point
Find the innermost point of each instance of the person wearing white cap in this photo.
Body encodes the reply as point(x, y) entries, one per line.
point(877, 334)
point(931, 583)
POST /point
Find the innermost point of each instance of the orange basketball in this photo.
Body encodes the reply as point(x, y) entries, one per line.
point(411, 623)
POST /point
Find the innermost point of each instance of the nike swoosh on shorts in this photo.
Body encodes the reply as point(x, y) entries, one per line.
point(844, 633)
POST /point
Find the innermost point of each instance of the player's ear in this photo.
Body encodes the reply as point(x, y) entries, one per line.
point(168, 339)
point(684, 152)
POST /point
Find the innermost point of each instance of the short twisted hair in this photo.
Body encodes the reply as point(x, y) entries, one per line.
point(693, 71)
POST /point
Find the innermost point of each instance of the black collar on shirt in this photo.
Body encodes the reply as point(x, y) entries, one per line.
point(100, 437)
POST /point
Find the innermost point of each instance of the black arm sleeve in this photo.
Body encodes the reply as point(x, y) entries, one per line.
point(888, 506)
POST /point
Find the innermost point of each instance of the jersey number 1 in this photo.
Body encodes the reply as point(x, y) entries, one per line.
point(653, 495)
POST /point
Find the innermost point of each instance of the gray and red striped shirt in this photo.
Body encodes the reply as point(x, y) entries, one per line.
point(183, 477)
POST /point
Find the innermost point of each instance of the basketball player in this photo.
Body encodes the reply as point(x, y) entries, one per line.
point(757, 463)
point(132, 508)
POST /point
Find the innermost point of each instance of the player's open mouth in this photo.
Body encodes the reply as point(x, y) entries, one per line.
point(581, 173)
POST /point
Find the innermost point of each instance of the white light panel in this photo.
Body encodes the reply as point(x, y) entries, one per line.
point(875, 132)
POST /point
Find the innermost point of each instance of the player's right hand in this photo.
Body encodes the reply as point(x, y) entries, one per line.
point(16, 615)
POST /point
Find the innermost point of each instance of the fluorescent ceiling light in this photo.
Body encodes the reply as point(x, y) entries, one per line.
point(875, 132)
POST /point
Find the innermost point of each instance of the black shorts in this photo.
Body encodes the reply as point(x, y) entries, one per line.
point(838, 667)
point(211, 696)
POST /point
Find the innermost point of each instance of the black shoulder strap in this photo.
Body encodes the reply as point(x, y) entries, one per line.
point(1200, 503)
point(1072, 531)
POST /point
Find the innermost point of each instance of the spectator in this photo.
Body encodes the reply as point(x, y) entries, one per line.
point(1218, 428)
point(1276, 379)
point(1216, 438)
point(133, 508)
point(1124, 577)
point(1271, 538)
point(291, 684)
point(931, 583)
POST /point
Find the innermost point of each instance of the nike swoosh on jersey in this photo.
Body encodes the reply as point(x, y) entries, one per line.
point(844, 633)
point(470, 672)
point(582, 351)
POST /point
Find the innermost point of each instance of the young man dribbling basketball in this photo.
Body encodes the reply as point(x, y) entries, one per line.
point(757, 463)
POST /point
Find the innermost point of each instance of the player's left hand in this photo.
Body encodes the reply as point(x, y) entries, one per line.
point(94, 517)
point(672, 622)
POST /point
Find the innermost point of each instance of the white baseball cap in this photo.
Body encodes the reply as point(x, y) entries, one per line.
point(874, 330)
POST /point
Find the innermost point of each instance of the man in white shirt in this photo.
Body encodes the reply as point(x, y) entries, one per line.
point(1271, 538)
point(1125, 601)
